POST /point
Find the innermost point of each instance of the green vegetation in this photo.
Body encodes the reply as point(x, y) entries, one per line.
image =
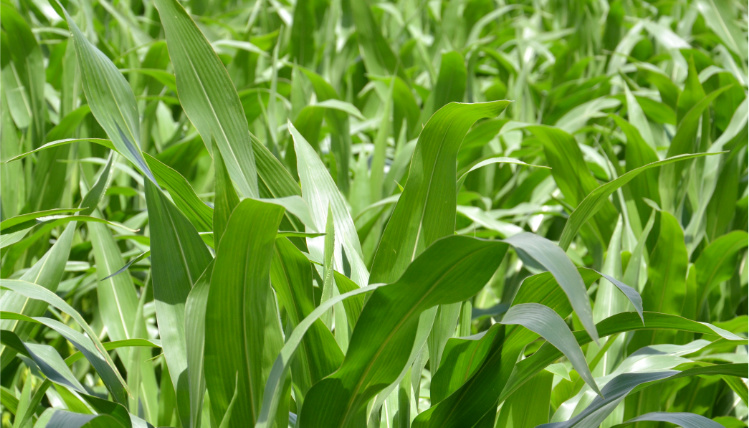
point(361, 213)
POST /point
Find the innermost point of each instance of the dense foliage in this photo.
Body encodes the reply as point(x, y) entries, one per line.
point(323, 213)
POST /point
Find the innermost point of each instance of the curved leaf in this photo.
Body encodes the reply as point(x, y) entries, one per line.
point(382, 340)
point(547, 323)
point(537, 250)
point(595, 199)
point(426, 209)
point(685, 420)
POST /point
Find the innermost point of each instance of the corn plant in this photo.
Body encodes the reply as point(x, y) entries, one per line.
point(360, 213)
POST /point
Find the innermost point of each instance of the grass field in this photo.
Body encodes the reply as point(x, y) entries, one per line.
point(362, 213)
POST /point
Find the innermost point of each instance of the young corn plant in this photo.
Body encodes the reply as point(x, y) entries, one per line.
point(360, 213)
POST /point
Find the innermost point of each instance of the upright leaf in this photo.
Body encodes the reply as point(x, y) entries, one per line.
point(320, 192)
point(450, 85)
point(208, 95)
point(111, 99)
point(242, 329)
point(225, 201)
point(291, 275)
point(178, 258)
point(426, 209)
point(195, 308)
point(23, 74)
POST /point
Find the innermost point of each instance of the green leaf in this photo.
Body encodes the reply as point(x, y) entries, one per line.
point(195, 308)
point(426, 210)
point(614, 392)
point(226, 198)
point(147, 343)
point(615, 324)
point(488, 386)
point(242, 329)
point(537, 250)
point(183, 194)
point(47, 272)
point(53, 366)
point(208, 95)
point(178, 258)
point(460, 360)
point(666, 289)
point(118, 301)
point(638, 153)
point(719, 16)
point(450, 85)
point(93, 197)
point(66, 419)
point(57, 143)
point(320, 192)
point(382, 340)
point(88, 344)
point(20, 222)
point(683, 142)
point(26, 66)
point(111, 99)
point(684, 139)
point(273, 391)
point(521, 411)
point(24, 417)
point(685, 420)
point(340, 139)
point(630, 293)
point(598, 197)
point(718, 261)
point(302, 42)
point(291, 276)
point(692, 93)
point(637, 119)
point(493, 160)
point(376, 52)
point(619, 387)
point(120, 309)
point(572, 175)
point(544, 321)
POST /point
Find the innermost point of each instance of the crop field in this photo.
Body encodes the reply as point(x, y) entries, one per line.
point(373, 213)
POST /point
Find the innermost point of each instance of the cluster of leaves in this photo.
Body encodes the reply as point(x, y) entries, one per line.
point(322, 213)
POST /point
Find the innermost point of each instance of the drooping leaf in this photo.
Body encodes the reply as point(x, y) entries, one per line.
point(685, 420)
point(539, 251)
point(544, 321)
point(46, 272)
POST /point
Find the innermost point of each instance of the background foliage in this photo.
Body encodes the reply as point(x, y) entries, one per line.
point(323, 213)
